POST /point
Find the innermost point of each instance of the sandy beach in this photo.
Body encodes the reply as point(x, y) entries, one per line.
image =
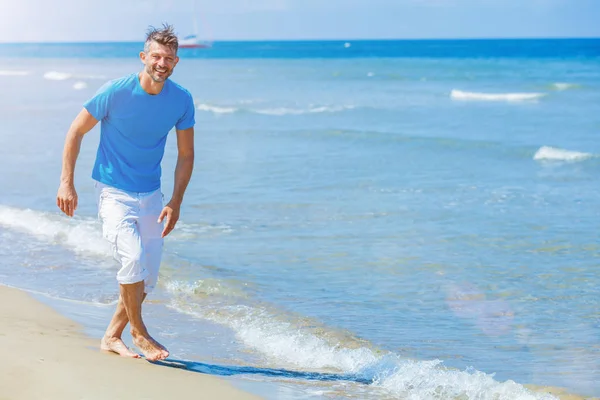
point(46, 356)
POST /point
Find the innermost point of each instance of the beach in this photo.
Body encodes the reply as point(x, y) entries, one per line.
point(367, 219)
point(46, 356)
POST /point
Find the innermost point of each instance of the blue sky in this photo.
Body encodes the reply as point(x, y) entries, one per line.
point(109, 20)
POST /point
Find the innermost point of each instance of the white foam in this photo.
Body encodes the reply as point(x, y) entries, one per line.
point(556, 154)
point(260, 330)
point(286, 343)
point(81, 235)
point(216, 109)
point(280, 111)
point(299, 111)
point(276, 111)
point(430, 380)
point(564, 86)
point(204, 287)
point(80, 85)
point(63, 76)
point(191, 231)
point(460, 95)
point(13, 73)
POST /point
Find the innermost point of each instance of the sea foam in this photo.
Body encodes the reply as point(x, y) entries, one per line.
point(272, 111)
point(78, 234)
point(564, 86)
point(292, 343)
point(555, 154)
point(299, 111)
point(510, 97)
point(63, 76)
point(216, 109)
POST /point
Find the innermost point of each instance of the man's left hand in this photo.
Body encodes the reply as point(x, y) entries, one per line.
point(171, 213)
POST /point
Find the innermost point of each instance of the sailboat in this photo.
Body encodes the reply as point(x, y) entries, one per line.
point(193, 41)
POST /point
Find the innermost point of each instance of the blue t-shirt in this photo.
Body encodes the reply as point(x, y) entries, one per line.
point(133, 131)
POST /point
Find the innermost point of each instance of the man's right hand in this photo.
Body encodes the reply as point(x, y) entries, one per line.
point(66, 198)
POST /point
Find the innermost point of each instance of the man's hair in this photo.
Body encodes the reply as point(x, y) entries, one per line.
point(165, 36)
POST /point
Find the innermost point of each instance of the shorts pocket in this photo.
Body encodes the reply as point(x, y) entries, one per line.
point(110, 232)
point(109, 225)
point(100, 200)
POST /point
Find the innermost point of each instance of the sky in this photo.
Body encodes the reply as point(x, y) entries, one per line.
point(127, 20)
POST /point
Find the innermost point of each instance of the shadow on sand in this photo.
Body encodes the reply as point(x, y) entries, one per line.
point(228, 370)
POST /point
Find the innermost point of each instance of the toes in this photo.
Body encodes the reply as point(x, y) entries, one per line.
point(151, 349)
point(130, 354)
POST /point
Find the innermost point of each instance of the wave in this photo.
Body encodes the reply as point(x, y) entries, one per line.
point(78, 234)
point(63, 76)
point(281, 338)
point(216, 109)
point(564, 86)
point(204, 288)
point(310, 110)
point(460, 95)
point(276, 111)
point(84, 234)
point(13, 73)
point(555, 154)
point(189, 231)
point(298, 342)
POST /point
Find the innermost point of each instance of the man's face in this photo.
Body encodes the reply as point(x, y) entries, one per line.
point(160, 61)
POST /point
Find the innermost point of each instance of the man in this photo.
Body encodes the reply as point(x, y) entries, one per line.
point(137, 112)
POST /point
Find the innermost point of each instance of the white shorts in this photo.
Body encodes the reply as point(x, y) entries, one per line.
point(130, 224)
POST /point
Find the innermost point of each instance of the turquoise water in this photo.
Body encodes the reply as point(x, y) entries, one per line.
point(421, 215)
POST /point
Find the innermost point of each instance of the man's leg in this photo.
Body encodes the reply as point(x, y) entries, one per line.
point(133, 296)
point(113, 207)
point(129, 309)
point(119, 213)
point(152, 243)
point(112, 340)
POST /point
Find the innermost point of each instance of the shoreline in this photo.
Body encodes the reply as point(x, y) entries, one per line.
point(48, 356)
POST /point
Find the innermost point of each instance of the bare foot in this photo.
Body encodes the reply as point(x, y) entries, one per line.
point(116, 345)
point(153, 350)
point(163, 349)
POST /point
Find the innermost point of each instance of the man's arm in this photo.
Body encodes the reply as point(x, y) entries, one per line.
point(66, 198)
point(183, 173)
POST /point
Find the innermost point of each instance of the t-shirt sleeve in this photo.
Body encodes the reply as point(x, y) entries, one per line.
point(187, 120)
point(98, 105)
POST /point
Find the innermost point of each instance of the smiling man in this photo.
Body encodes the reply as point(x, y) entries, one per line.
point(137, 113)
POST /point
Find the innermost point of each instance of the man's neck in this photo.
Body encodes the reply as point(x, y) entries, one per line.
point(149, 85)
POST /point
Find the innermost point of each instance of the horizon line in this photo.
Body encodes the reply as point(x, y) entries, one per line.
point(325, 40)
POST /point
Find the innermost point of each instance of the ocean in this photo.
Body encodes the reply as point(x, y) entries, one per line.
point(366, 219)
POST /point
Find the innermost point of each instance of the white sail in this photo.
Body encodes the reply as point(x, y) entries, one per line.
point(193, 40)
